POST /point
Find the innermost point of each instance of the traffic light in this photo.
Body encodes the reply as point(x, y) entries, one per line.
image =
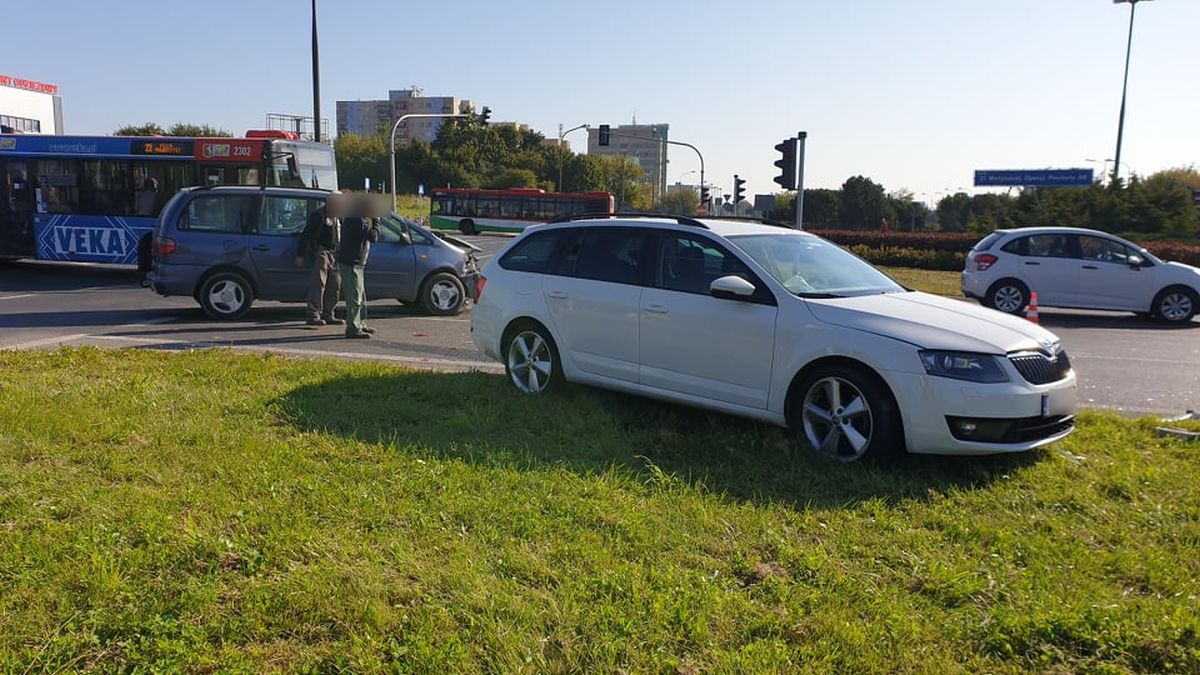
point(739, 189)
point(603, 140)
point(1196, 198)
point(485, 116)
point(787, 164)
point(704, 195)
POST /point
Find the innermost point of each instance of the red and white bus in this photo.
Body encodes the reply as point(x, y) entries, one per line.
point(471, 211)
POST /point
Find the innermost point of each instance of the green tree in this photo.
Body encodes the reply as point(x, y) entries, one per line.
point(514, 178)
point(954, 212)
point(681, 202)
point(185, 129)
point(359, 158)
point(864, 203)
point(147, 129)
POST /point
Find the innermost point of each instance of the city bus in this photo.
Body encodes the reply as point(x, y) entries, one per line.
point(471, 211)
point(94, 198)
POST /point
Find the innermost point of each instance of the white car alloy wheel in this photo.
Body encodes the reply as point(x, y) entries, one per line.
point(530, 362)
point(1176, 306)
point(1008, 298)
point(837, 419)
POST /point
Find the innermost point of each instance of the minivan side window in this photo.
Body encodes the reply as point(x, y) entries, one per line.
point(219, 213)
point(286, 216)
point(613, 254)
point(531, 254)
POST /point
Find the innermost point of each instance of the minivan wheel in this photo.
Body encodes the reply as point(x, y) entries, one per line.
point(226, 296)
point(1007, 295)
point(847, 414)
point(1175, 305)
point(531, 360)
point(442, 294)
point(467, 226)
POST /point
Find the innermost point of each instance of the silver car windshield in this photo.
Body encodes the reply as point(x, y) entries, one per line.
point(812, 267)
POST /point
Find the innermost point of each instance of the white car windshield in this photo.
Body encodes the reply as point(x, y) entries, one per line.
point(812, 267)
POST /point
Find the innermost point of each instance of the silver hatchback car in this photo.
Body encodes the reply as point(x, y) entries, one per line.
point(227, 246)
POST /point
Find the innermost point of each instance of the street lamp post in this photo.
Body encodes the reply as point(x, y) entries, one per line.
point(316, 78)
point(663, 140)
point(1124, 88)
point(561, 136)
point(392, 144)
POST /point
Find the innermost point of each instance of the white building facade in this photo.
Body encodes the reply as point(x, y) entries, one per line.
point(29, 107)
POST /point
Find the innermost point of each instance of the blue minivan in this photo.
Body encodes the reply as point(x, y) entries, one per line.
point(228, 246)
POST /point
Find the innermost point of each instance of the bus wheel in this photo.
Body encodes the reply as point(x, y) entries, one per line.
point(467, 226)
point(226, 296)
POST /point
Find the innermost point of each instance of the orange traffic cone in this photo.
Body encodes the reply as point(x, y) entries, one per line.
point(1031, 311)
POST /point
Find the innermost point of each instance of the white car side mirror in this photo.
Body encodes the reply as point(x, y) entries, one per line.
point(731, 287)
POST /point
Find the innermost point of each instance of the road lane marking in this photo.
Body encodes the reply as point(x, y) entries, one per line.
point(17, 297)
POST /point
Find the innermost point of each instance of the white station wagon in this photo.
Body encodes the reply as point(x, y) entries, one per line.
point(773, 324)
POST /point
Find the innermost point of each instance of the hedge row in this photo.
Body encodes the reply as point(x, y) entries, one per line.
point(920, 243)
point(897, 256)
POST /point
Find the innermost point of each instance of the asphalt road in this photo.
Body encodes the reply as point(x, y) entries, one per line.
point(1125, 364)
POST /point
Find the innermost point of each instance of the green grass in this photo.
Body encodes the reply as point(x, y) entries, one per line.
point(929, 281)
point(212, 511)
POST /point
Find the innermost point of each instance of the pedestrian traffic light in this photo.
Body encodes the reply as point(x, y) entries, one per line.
point(739, 189)
point(787, 164)
point(603, 139)
point(485, 116)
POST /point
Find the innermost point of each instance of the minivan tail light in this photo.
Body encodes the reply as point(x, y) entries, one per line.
point(163, 246)
point(480, 282)
point(984, 260)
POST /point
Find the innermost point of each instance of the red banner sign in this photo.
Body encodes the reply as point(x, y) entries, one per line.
point(30, 85)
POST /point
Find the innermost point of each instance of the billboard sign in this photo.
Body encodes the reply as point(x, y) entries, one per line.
point(1033, 177)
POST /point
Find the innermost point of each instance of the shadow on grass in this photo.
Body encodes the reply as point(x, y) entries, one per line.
point(480, 419)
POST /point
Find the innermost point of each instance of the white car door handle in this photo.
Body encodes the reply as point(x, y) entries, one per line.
point(656, 309)
point(557, 295)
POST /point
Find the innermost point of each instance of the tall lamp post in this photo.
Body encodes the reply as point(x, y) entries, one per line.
point(316, 78)
point(562, 134)
point(1124, 88)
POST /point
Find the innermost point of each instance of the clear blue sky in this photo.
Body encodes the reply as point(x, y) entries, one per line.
point(915, 94)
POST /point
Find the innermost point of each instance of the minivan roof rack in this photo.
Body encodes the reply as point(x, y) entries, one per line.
point(682, 220)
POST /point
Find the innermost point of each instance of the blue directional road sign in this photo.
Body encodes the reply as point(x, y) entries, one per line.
point(1033, 177)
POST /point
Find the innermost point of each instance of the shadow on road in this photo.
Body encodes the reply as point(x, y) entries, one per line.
point(1106, 320)
point(480, 419)
point(28, 275)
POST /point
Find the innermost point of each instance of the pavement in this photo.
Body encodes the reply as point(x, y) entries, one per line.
point(1125, 364)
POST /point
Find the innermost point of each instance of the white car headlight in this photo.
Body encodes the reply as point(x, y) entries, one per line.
point(963, 366)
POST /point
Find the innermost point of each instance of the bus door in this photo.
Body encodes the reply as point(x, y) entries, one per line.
point(17, 207)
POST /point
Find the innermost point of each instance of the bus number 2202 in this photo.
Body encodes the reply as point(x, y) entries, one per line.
point(241, 151)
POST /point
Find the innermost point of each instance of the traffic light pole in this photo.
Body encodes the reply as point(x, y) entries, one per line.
point(392, 144)
point(686, 145)
point(802, 139)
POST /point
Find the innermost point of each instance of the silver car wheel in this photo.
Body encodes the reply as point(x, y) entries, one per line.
point(1175, 306)
point(837, 420)
point(530, 362)
point(444, 295)
point(1008, 299)
point(226, 296)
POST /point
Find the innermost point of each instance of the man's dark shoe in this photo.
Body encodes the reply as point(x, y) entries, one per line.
point(368, 329)
point(358, 336)
point(332, 320)
point(315, 322)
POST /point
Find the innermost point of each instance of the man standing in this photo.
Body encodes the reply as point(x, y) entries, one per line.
point(319, 244)
point(357, 234)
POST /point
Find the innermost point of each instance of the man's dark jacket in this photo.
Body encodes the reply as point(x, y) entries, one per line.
point(357, 235)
